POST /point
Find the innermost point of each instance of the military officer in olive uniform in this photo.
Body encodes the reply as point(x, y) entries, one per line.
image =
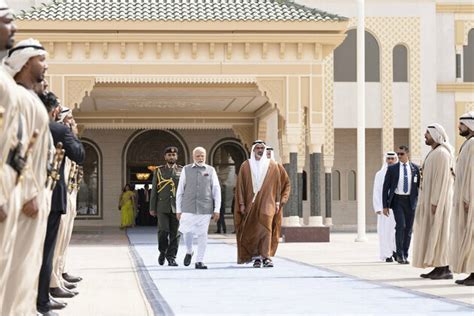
point(163, 205)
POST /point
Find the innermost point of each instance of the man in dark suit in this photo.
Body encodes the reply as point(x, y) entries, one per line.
point(74, 151)
point(400, 193)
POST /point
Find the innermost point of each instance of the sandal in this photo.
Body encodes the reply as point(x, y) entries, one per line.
point(257, 263)
point(267, 263)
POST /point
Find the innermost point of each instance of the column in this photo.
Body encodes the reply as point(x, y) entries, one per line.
point(459, 63)
point(328, 186)
point(328, 164)
point(361, 236)
point(300, 196)
point(315, 218)
point(291, 208)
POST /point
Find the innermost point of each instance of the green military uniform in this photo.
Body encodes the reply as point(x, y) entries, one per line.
point(163, 201)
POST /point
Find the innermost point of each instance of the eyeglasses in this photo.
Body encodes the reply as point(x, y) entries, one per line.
point(400, 154)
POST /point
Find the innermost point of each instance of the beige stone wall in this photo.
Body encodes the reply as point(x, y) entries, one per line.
point(344, 212)
point(112, 144)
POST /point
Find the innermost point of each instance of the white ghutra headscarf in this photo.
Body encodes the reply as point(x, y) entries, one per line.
point(388, 154)
point(19, 55)
point(64, 113)
point(468, 120)
point(439, 135)
point(258, 169)
point(272, 153)
point(4, 9)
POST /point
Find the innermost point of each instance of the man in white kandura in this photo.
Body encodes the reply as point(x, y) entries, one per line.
point(462, 220)
point(197, 199)
point(385, 222)
point(430, 247)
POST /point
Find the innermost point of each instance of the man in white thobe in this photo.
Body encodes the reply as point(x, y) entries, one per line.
point(12, 141)
point(431, 228)
point(462, 221)
point(26, 62)
point(385, 222)
point(197, 200)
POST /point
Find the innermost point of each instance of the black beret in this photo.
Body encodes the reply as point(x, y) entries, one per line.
point(170, 149)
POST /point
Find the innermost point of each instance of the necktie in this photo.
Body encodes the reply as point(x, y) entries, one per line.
point(405, 178)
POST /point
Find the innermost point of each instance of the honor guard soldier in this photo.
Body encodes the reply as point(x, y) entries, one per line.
point(163, 205)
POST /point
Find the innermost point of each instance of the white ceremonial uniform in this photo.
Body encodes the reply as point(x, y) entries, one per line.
point(65, 230)
point(20, 298)
point(12, 133)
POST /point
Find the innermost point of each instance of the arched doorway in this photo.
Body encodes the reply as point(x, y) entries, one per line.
point(144, 151)
point(142, 154)
point(227, 156)
point(89, 196)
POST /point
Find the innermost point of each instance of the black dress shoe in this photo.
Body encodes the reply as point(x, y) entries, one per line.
point(71, 278)
point(469, 282)
point(389, 259)
point(200, 265)
point(53, 300)
point(172, 263)
point(405, 261)
point(161, 258)
point(427, 275)
point(443, 273)
point(69, 285)
point(56, 305)
point(60, 292)
point(187, 259)
point(399, 259)
point(460, 282)
point(72, 291)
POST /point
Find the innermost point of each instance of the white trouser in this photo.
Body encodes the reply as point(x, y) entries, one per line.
point(64, 237)
point(202, 244)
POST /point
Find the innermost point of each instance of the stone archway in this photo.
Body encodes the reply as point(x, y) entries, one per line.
point(145, 150)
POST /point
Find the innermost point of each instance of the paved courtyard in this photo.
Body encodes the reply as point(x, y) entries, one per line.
point(121, 277)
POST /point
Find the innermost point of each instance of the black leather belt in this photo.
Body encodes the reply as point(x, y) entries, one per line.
point(402, 196)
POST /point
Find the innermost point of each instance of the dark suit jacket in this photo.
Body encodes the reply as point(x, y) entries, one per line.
point(391, 182)
point(74, 151)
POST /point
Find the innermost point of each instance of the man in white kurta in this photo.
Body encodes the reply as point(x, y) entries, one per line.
point(198, 198)
point(26, 62)
point(431, 229)
point(385, 222)
point(462, 221)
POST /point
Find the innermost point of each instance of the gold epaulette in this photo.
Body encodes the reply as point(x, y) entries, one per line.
point(163, 183)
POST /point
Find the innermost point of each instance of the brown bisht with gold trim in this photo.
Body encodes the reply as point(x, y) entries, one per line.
point(258, 229)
